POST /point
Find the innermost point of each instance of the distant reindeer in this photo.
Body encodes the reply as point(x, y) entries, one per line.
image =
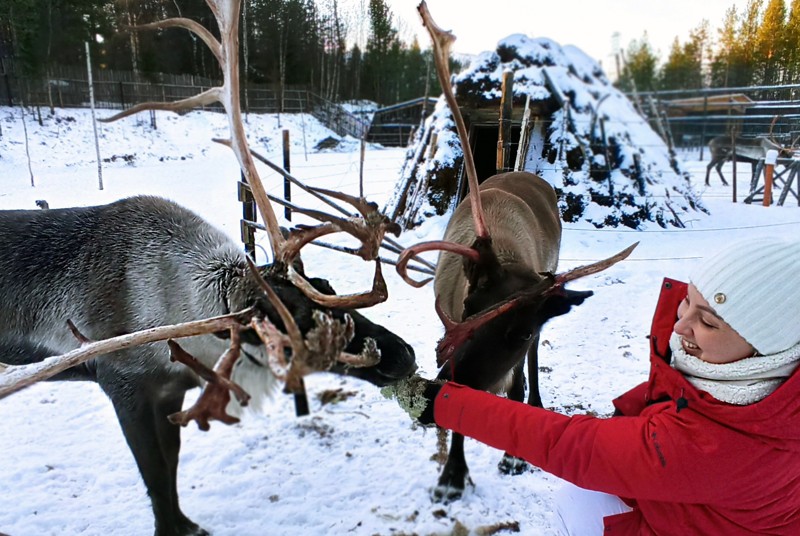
point(494, 283)
point(747, 150)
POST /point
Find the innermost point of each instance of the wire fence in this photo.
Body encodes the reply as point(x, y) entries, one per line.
point(68, 87)
point(690, 118)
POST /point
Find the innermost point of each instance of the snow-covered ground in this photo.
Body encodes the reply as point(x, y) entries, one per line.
point(358, 466)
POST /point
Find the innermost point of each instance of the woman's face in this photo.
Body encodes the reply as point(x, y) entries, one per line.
point(705, 335)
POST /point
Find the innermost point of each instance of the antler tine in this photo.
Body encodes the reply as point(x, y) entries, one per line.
point(583, 271)
point(205, 98)
point(298, 238)
point(378, 294)
point(433, 245)
point(226, 51)
point(196, 28)
point(442, 41)
point(364, 207)
point(216, 393)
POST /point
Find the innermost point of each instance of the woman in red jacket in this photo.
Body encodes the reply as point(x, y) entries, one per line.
point(710, 444)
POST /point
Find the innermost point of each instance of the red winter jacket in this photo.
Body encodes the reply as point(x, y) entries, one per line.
point(686, 462)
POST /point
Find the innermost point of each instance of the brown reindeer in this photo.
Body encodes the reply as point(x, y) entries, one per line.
point(494, 283)
point(747, 150)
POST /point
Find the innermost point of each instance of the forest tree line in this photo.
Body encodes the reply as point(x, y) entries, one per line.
point(286, 43)
point(757, 46)
point(343, 51)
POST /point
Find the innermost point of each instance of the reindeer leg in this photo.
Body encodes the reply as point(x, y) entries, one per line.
point(455, 475)
point(719, 172)
point(142, 403)
point(708, 171)
point(511, 465)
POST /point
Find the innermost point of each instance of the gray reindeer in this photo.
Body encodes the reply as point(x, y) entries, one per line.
point(747, 150)
point(494, 284)
point(144, 262)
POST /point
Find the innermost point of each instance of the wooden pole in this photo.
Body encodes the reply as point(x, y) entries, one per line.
point(361, 168)
point(733, 151)
point(524, 137)
point(504, 134)
point(769, 167)
point(287, 165)
point(94, 121)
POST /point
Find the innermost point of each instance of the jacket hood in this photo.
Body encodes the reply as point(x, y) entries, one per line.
point(775, 419)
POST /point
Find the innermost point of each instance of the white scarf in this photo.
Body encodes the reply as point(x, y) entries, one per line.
point(742, 382)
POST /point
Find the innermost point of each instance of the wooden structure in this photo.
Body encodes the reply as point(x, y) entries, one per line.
point(394, 125)
point(734, 103)
point(785, 177)
point(567, 123)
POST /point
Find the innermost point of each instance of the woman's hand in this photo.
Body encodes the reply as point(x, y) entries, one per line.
point(415, 396)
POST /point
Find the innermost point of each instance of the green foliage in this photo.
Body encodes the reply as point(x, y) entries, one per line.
point(684, 66)
point(287, 43)
point(759, 45)
point(639, 71)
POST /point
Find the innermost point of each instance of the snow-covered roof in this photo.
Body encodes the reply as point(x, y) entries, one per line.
point(607, 164)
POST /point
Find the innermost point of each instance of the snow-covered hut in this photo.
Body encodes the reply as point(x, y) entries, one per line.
point(582, 135)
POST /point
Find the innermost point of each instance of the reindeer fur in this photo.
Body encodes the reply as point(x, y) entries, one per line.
point(523, 220)
point(138, 263)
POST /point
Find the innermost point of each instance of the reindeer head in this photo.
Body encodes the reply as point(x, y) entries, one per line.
point(364, 337)
point(503, 316)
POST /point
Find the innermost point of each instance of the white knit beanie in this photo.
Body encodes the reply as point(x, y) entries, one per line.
point(754, 285)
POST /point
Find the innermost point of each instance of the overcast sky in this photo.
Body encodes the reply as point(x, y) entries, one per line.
point(588, 24)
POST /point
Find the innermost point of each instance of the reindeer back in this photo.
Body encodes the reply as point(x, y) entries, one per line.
point(523, 220)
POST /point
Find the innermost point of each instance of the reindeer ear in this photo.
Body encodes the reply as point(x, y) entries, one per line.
point(560, 303)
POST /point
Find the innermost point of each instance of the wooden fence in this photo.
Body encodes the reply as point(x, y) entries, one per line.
point(68, 87)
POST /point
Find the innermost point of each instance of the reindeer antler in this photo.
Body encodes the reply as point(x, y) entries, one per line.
point(226, 51)
point(318, 350)
point(456, 333)
point(442, 41)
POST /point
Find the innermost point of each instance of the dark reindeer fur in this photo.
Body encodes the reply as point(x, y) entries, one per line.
point(134, 264)
point(525, 228)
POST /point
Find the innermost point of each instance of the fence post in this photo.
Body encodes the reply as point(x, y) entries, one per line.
point(287, 165)
point(361, 169)
point(248, 233)
point(769, 167)
point(94, 121)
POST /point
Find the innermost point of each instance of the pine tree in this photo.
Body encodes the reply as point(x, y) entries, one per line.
point(640, 63)
point(792, 45)
point(771, 43)
point(684, 68)
point(380, 57)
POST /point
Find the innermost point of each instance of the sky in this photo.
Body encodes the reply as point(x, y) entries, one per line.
point(588, 24)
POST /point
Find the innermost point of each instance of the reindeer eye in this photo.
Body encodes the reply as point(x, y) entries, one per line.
point(519, 335)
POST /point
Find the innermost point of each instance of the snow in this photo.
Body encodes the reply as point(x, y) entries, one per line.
point(636, 180)
point(358, 466)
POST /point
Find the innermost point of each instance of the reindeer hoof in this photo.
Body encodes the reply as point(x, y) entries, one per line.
point(511, 465)
point(182, 527)
point(447, 492)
